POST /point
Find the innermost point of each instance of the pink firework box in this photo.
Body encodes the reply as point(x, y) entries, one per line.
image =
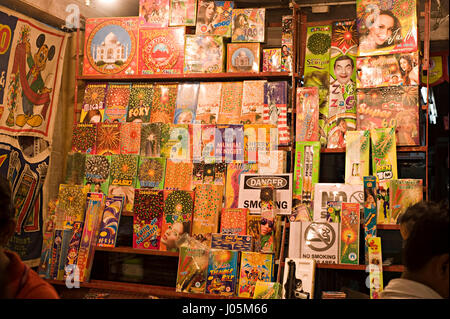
point(272, 60)
point(307, 123)
point(386, 27)
point(111, 46)
point(153, 13)
point(395, 106)
point(161, 50)
point(387, 70)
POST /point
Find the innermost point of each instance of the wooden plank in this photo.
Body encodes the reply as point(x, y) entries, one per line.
point(160, 291)
point(131, 250)
point(193, 76)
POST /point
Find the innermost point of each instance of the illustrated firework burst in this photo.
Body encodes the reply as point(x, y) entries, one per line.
point(118, 94)
point(84, 137)
point(345, 35)
point(94, 94)
point(365, 140)
point(124, 166)
point(179, 203)
point(151, 170)
point(319, 43)
point(148, 205)
point(403, 8)
point(410, 95)
point(71, 199)
point(383, 145)
point(108, 137)
point(97, 167)
point(141, 92)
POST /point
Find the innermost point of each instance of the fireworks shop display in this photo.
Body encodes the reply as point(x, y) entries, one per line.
point(210, 171)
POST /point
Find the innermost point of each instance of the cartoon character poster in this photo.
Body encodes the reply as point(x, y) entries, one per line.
point(31, 56)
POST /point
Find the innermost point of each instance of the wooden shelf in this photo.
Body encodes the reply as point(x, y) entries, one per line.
point(191, 76)
point(379, 226)
point(405, 149)
point(130, 250)
point(160, 291)
point(392, 268)
point(388, 227)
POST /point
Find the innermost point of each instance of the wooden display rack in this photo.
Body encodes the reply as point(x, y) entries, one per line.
point(300, 24)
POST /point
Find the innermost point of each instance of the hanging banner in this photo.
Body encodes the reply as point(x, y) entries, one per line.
point(31, 62)
point(25, 166)
point(438, 70)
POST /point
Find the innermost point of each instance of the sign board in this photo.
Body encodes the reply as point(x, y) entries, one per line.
point(320, 241)
point(325, 192)
point(250, 189)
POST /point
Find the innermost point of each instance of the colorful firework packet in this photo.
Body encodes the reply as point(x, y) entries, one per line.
point(252, 102)
point(248, 25)
point(151, 172)
point(234, 221)
point(204, 54)
point(186, 103)
point(94, 100)
point(104, 53)
point(182, 12)
point(349, 247)
point(84, 138)
point(97, 173)
point(140, 103)
point(230, 103)
point(272, 60)
point(356, 156)
point(154, 13)
point(399, 17)
point(117, 100)
point(396, 106)
point(164, 103)
point(307, 122)
point(148, 213)
point(161, 50)
point(177, 218)
point(109, 226)
point(370, 212)
point(222, 272)
point(207, 207)
point(384, 167)
point(209, 102)
point(124, 169)
point(130, 138)
point(243, 57)
point(108, 138)
point(403, 194)
point(220, 23)
point(388, 70)
point(255, 267)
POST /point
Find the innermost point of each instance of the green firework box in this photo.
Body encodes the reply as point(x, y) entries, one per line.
point(349, 247)
point(317, 61)
point(384, 167)
point(306, 169)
